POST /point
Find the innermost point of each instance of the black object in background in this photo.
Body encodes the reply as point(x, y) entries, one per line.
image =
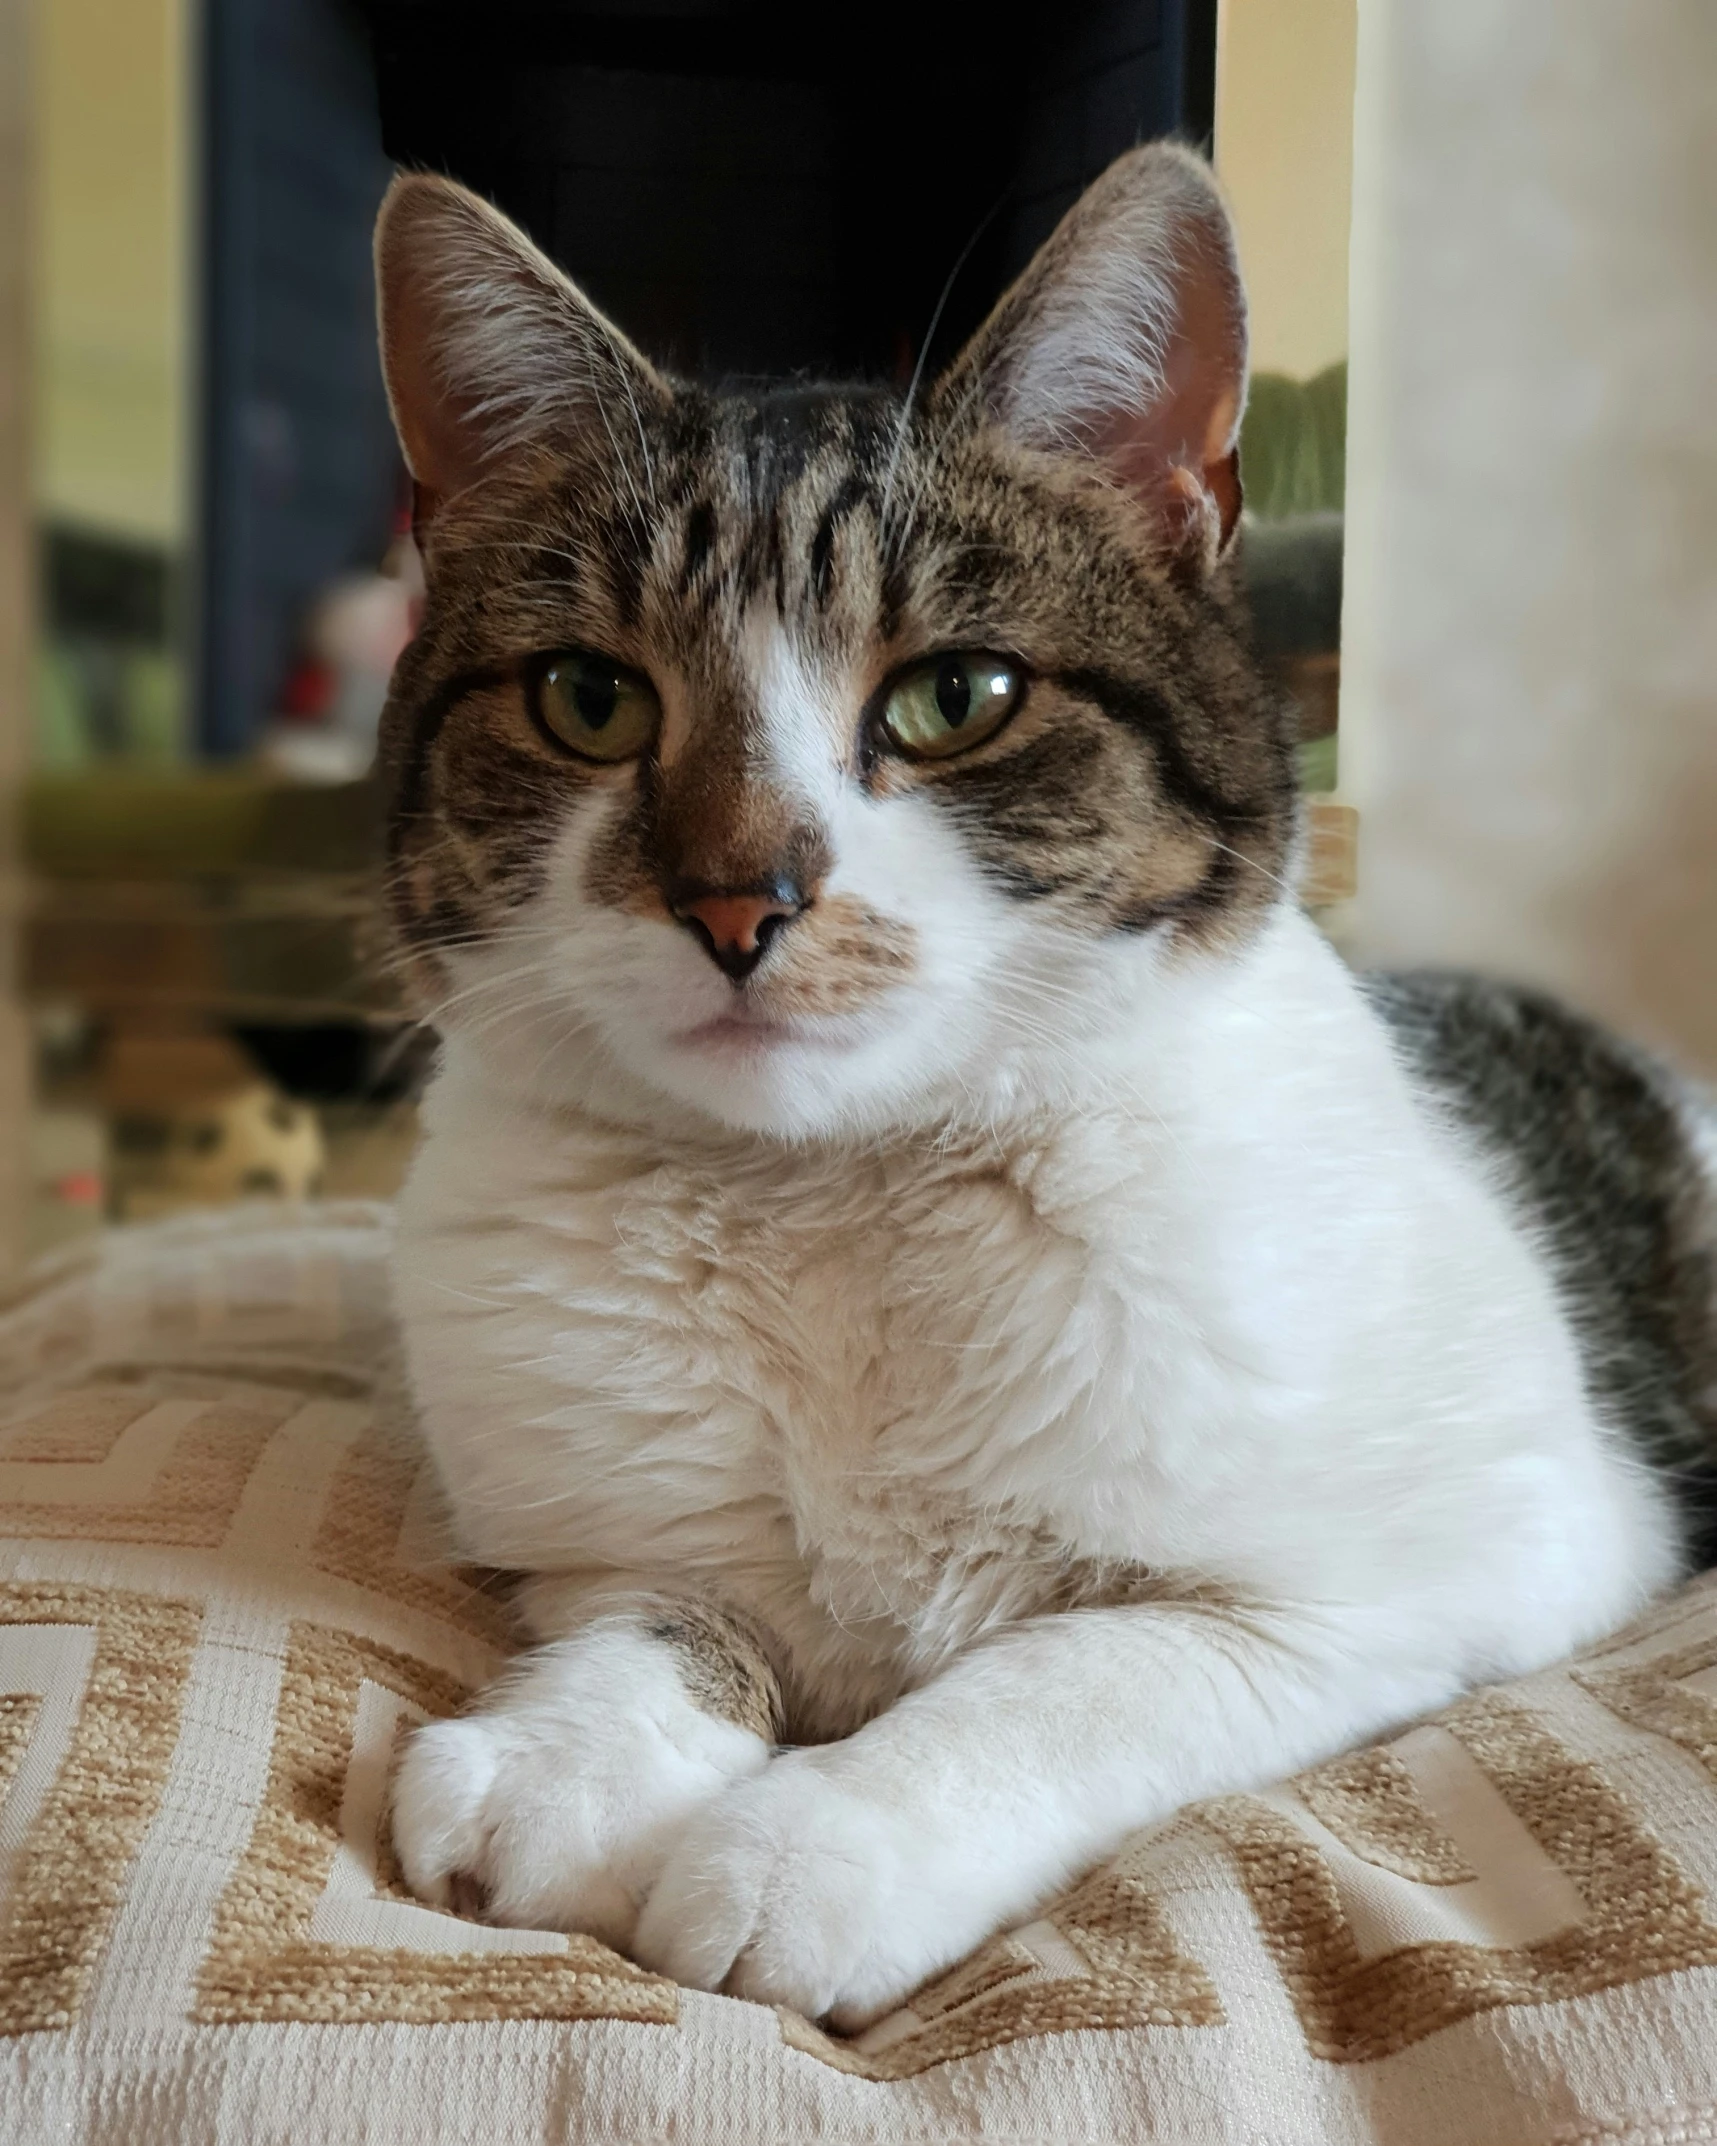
point(764, 188)
point(749, 187)
point(299, 474)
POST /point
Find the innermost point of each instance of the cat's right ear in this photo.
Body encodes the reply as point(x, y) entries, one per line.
point(1125, 342)
point(487, 347)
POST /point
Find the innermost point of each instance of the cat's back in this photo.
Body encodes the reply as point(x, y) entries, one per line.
point(1610, 1159)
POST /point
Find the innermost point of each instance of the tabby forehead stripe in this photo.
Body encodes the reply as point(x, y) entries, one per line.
point(699, 544)
point(853, 493)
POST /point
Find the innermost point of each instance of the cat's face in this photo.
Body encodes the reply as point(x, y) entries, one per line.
point(816, 764)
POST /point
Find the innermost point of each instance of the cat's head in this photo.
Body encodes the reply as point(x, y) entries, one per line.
point(814, 758)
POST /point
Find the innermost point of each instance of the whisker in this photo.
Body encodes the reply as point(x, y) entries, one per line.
point(1263, 870)
point(922, 359)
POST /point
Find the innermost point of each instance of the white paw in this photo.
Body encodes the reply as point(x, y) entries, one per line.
point(797, 1889)
point(554, 1807)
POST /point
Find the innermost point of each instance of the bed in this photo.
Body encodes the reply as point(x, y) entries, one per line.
point(225, 1593)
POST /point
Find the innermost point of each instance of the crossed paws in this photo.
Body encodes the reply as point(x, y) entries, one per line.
point(591, 1794)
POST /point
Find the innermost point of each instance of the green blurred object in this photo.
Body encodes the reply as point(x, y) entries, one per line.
point(120, 823)
point(108, 702)
point(1293, 444)
point(62, 739)
point(154, 699)
point(1318, 765)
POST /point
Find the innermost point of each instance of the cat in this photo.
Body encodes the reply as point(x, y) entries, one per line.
point(979, 1329)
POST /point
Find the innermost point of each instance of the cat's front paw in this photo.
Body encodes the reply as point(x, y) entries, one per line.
point(800, 1889)
point(556, 1803)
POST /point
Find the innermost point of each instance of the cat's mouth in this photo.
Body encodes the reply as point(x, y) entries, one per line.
point(743, 1031)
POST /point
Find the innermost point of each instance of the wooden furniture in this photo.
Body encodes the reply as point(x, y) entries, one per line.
point(213, 895)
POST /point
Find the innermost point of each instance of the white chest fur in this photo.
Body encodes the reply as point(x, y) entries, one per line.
point(1246, 1316)
point(845, 1368)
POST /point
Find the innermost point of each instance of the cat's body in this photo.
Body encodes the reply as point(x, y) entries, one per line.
point(885, 1397)
point(918, 1244)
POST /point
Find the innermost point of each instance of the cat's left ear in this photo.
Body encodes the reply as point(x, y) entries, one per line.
point(1125, 340)
point(488, 350)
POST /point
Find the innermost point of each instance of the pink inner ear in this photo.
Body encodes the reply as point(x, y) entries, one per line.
point(1185, 487)
point(418, 224)
point(1179, 454)
point(441, 448)
point(485, 343)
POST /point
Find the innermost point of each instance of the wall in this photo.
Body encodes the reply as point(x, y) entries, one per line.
point(1529, 715)
point(111, 248)
point(1284, 137)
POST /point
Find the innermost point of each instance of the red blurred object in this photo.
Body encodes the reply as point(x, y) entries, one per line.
point(309, 690)
point(354, 633)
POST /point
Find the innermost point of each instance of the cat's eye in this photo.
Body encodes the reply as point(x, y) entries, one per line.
point(596, 706)
point(950, 704)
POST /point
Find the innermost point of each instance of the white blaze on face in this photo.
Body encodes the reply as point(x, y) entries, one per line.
point(893, 854)
point(902, 857)
point(808, 717)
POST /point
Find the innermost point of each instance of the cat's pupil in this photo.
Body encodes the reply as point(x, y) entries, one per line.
point(953, 694)
point(595, 698)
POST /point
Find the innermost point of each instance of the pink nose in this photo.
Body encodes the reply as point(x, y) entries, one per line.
point(735, 928)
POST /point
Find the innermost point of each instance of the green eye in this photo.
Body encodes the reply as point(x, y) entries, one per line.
point(950, 704)
point(597, 706)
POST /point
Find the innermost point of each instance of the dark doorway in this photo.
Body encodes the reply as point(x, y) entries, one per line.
point(748, 188)
point(766, 189)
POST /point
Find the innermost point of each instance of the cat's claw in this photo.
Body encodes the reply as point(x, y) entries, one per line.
point(796, 1889)
point(468, 1896)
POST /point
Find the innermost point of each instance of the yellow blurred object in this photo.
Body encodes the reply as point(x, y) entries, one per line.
point(193, 1124)
point(111, 225)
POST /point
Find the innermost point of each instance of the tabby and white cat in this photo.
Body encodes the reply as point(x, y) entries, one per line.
point(979, 1327)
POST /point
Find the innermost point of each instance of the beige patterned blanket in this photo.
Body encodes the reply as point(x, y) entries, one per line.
point(220, 1605)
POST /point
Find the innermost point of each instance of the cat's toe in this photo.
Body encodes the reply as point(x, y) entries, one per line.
point(504, 1827)
point(792, 1890)
point(555, 1819)
point(440, 1793)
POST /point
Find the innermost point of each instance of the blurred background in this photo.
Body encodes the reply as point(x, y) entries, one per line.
point(206, 573)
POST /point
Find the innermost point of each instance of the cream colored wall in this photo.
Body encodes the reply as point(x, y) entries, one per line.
point(1284, 136)
point(1529, 711)
point(111, 249)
